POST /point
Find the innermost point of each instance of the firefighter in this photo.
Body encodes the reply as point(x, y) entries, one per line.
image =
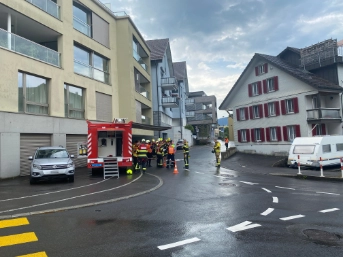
point(226, 143)
point(186, 153)
point(171, 155)
point(149, 154)
point(159, 153)
point(135, 155)
point(142, 155)
point(216, 151)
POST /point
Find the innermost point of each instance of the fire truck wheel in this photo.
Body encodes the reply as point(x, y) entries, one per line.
point(71, 179)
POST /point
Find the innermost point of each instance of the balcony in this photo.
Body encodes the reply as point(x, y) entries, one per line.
point(146, 120)
point(144, 92)
point(91, 72)
point(169, 83)
point(28, 48)
point(327, 114)
point(139, 60)
point(47, 6)
point(170, 102)
point(190, 114)
point(81, 26)
point(189, 101)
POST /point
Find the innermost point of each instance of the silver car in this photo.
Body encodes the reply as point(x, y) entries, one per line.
point(50, 163)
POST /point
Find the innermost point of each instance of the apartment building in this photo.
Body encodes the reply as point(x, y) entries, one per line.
point(201, 113)
point(64, 62)
point(277, 98)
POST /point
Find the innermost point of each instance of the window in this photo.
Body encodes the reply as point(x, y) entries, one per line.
point(326, 148)
point(271, 109)
point(273, 134)
point(289, 106)
point(291, 133)
point(242, 114)
point(339, 147)
point(91, 64)
point(257, 135)
point(261, 69)
point(32, 94)
point(82, 19)
point(315, 102)
point(256, 112)
point(304, 149)
point(270, 85)
point(244, 135)
point(254, 88)
point(74, 102)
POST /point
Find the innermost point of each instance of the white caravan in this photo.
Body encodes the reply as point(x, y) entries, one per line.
point(311, 149)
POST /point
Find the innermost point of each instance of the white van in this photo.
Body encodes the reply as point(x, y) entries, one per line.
point(310, 149)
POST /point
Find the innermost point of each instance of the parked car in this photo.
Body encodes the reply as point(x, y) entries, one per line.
point(179, 144)
point(50, 163)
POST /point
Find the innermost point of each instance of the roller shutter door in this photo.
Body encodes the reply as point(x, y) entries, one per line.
point(72, 141)
point(28, 145)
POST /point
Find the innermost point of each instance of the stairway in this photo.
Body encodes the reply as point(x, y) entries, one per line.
point(111, 168)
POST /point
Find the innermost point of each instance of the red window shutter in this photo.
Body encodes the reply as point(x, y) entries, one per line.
point(260, 110)
point(266, 110)
point(248, 135)
point(259, 86)
point(266, 67)
point(295, 104)
point(238, 115)
point(276, 83)
point(323, 129)
point(278, 133)
point(285, 135)
point(265, 88)
point(252, 135)
point(239, 136)
point(268, 134)
point(246, 112)
point(283, 107)
point(251, 113)
point(262, 134)
point(297, 131)
point(256, 71)
point(277, 108)
point(250, 90)
point(314, 131)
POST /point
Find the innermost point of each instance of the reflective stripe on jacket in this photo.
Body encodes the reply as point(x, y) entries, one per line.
point(142, 150)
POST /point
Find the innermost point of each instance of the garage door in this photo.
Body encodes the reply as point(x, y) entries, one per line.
point(28, 145)
point(72, 147)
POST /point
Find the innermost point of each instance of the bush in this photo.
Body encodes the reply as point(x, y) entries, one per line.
point(190, 127)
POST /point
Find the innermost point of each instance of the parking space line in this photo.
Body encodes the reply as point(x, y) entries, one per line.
point(39, 254)
point(268, 211)
point(18, 239)
point(13, 222)
point(293, 217)
point(329, 210)
point(327, 193)
point(285, 188)
point(265, 189)
point(187, 241)
point(275, 199)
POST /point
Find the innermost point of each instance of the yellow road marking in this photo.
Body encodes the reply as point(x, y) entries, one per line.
point(13, 222)
point(18, 239)
point(40, 254)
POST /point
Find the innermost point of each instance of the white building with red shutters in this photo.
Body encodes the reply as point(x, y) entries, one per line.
point(276, 99)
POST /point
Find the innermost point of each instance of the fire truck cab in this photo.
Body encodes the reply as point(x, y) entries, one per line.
point(109, 145)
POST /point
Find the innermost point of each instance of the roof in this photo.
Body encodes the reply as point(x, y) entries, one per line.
point(288, 48)
point(158, 47)
point(301, 74)
point(148, 127)
point(180, 70)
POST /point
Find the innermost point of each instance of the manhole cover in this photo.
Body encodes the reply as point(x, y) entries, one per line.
point(227, 184)
point(321, 236)
point(227, 175)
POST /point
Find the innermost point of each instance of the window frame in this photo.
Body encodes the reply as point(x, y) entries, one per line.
point(271, 134)
point(244, 136)
point(242, 111)
point(270, 83)
point(289, 106)
point(254, 89)
point(256, 111)
point(291, 131)
point(67, 105)
point(257, 135)
point(271, 107)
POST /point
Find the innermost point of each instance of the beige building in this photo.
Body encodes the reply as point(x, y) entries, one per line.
point(63, 62)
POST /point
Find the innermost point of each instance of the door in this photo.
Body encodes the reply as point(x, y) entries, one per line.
point(73, 143)
point(28, 145)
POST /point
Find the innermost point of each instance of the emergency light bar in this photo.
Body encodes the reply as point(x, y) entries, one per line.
point(119, 120)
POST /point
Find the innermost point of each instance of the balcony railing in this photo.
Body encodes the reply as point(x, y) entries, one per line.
point(82, 27)
point(91, 72)
point(120, 14)
point(47, 6)
point(146, 120)
point(189, 101)
point(171, 102)
point(323, 113)
point(28, 48)
point(190, 114)
point(144, 92)
point(169, 83)
point(139, 59)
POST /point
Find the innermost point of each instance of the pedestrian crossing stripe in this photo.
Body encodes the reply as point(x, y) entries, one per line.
point(40, 254)
point(13, 222)
point(18, 239)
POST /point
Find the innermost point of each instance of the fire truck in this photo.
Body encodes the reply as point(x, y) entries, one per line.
point(109, 145)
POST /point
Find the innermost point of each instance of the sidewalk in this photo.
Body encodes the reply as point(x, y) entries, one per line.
point(275, 165)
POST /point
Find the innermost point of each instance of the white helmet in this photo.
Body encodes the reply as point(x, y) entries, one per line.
point(143, 140)
point(148, 141)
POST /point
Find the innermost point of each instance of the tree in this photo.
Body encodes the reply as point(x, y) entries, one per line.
point(190, 127)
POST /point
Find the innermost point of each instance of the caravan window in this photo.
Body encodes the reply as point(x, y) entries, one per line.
point(304, 149)
point(326, 148)
point(339, 147)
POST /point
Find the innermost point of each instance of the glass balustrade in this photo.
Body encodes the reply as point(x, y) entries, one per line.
point(146, 120)
point(91, 72)
point(82, 27)
point(139, 59)
point(144, 92)
point(48, 6)
point(29, 48)
point(323, 113)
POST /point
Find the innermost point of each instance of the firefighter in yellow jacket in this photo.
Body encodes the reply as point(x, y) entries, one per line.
point(216, 151)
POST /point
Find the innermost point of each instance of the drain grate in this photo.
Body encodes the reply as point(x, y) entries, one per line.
point(322, 237)
point(227, 184)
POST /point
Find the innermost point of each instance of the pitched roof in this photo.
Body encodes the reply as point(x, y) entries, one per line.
point(158, 48)
point(180, 70)
point(293, 49)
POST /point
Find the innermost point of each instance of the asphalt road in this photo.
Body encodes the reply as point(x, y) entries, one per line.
point(239, 210)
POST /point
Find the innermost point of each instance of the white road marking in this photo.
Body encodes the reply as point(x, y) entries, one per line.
point(329, 210)
point(243, 226)
point(249, 183)
point(286, 188)
point(327, 193)
point(293, 217)
point(275, 199)
point(198, 172)
point(268, 211)
point(187, 241)
point(265, 189)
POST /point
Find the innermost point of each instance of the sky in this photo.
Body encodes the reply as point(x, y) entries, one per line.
point(218, 38)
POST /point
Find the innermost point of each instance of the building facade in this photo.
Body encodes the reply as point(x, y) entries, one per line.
point(62, 63)
point(277, 99)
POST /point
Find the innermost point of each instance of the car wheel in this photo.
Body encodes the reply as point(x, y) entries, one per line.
point(33, 181)
point(71, 179)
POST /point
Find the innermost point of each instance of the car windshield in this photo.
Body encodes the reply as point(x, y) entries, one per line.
point(51, 153)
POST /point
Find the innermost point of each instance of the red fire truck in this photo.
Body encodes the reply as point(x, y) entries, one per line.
point(109, 145)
